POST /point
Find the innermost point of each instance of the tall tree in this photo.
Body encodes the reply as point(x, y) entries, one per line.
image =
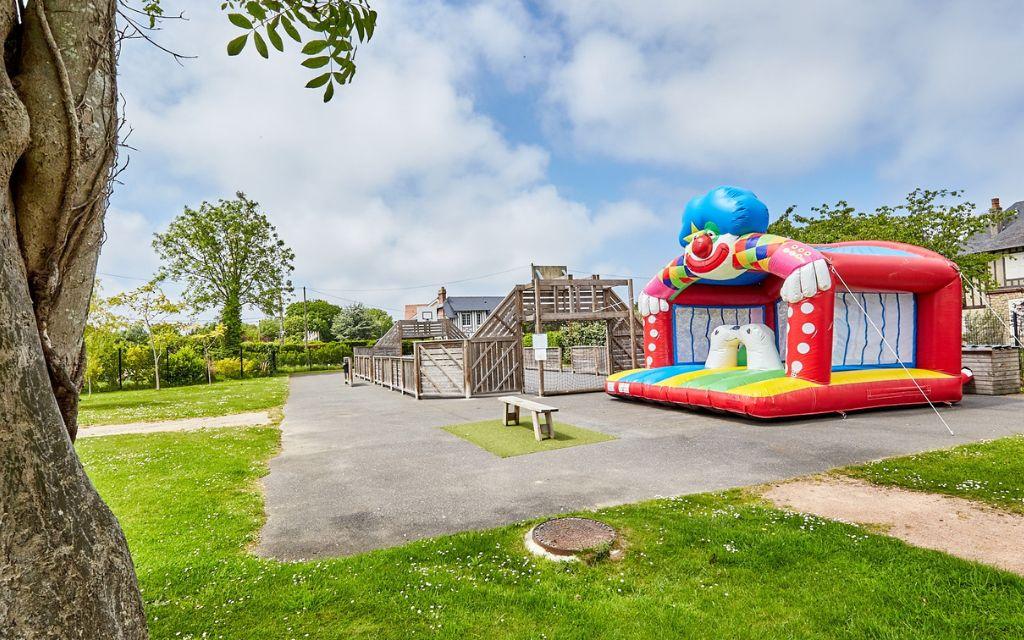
point(357, 322)
point(65, 569)
point(937, 219)
point(149, 305)
point(314, 316)
point(229, 255)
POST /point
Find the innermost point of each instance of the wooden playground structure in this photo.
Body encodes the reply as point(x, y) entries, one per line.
point(446, 363)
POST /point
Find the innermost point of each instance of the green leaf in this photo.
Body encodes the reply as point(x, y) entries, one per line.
point(256, 10)
point(340, 76)
point(314, 46)
point(235, 46)
point(343, 45)
point(371, 24)
point(261, 44)
point(290, 29)
point(329, 93)
point(275, 38)
point(315, 63)
point(358, 20)
point(239, 20)
point(318, 81)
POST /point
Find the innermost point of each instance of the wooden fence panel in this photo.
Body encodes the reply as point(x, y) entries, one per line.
point(590, 359)
point(552, 362)
point(441, 365)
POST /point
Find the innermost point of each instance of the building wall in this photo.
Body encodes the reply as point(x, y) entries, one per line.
point(470, 321)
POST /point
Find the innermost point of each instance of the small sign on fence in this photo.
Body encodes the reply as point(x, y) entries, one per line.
point(540, 347)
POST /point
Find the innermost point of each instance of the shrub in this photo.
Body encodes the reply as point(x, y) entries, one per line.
point(228, 368)
point(184, 366)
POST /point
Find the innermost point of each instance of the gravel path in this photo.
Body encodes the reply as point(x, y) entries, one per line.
point(249, 419)
point(959, 527)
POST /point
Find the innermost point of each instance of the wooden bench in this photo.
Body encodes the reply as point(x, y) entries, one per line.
point(514, 403)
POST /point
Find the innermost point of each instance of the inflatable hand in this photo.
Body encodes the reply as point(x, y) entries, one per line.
point(648, 304)
point(806, 281)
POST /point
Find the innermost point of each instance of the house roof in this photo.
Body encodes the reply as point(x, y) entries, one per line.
point(455, 304)
point(1011, 236)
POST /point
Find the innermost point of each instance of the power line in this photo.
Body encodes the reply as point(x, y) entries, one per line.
point(114, 275)
point(435, 284)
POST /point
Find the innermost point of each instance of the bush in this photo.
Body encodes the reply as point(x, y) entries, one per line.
point(227, 368)
point(184, 366)
point(137, 365)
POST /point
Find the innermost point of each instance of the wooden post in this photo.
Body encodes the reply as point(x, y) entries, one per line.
point(416, 369)
point(631, 319)
point(607, 349)
point(521, 382)
point(305, 329)
point(466, 370)
point(538, 328)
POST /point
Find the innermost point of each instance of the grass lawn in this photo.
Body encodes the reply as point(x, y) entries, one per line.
point(149, 405)
point(516, 440)
point(707, 566)
point(991, 472)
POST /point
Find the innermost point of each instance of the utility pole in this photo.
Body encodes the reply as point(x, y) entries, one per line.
point(305, 329)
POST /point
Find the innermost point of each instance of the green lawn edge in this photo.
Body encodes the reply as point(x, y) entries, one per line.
point(991, 472)
point(702, 566)
point(173, 403)
point(517, 440)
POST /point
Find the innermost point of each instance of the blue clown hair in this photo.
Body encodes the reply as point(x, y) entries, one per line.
point(724, 210)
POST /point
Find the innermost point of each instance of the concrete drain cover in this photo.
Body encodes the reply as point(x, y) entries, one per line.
point(570, 536)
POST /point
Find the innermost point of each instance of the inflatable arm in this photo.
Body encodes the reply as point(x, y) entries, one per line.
point(802, 268)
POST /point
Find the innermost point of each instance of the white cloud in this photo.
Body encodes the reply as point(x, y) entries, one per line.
point(400, 180)
point(756, 88)
point(127, 251)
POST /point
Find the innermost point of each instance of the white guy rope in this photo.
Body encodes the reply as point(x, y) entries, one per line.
point(894, 353)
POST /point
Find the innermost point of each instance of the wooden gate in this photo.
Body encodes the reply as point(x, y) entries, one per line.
point(441, 369)
point(496, 365)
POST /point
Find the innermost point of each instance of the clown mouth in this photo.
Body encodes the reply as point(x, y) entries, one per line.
point(710, 263)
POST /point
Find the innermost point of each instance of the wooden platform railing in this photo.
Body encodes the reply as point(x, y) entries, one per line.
point(397, 373)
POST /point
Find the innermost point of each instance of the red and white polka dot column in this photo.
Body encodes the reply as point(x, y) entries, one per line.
point(658, 339)
point(809, 338)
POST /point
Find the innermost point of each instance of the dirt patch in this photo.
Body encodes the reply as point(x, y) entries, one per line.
point(956, 526)
point(253, 418)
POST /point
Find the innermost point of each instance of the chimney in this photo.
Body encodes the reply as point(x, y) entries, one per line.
point(442, 295)
point(995, 227)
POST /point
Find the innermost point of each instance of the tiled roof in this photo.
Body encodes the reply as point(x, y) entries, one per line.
point(1011, 237)
point(455, 304)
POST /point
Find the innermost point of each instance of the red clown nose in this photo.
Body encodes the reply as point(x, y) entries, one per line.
point(701, 245)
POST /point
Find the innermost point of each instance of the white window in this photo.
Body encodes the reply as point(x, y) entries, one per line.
point(465, 319)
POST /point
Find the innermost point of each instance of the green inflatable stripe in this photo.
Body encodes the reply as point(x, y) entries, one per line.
point(732, 379)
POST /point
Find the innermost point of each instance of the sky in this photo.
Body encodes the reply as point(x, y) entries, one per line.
point(481, 137)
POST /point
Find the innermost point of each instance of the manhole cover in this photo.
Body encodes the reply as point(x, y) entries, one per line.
point(569, 536)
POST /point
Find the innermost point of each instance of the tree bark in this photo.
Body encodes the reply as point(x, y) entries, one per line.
point(65, 569)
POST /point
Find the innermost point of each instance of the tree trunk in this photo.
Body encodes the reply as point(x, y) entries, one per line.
point(231, 318)
point(65, 569)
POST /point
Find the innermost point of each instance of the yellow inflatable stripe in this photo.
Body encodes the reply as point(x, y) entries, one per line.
point(620, 374)
point(883, 375)
point(778, 386)
point(773, 387)
point(681, 379)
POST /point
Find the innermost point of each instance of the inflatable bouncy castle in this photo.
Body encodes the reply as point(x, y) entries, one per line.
point(762, 325)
